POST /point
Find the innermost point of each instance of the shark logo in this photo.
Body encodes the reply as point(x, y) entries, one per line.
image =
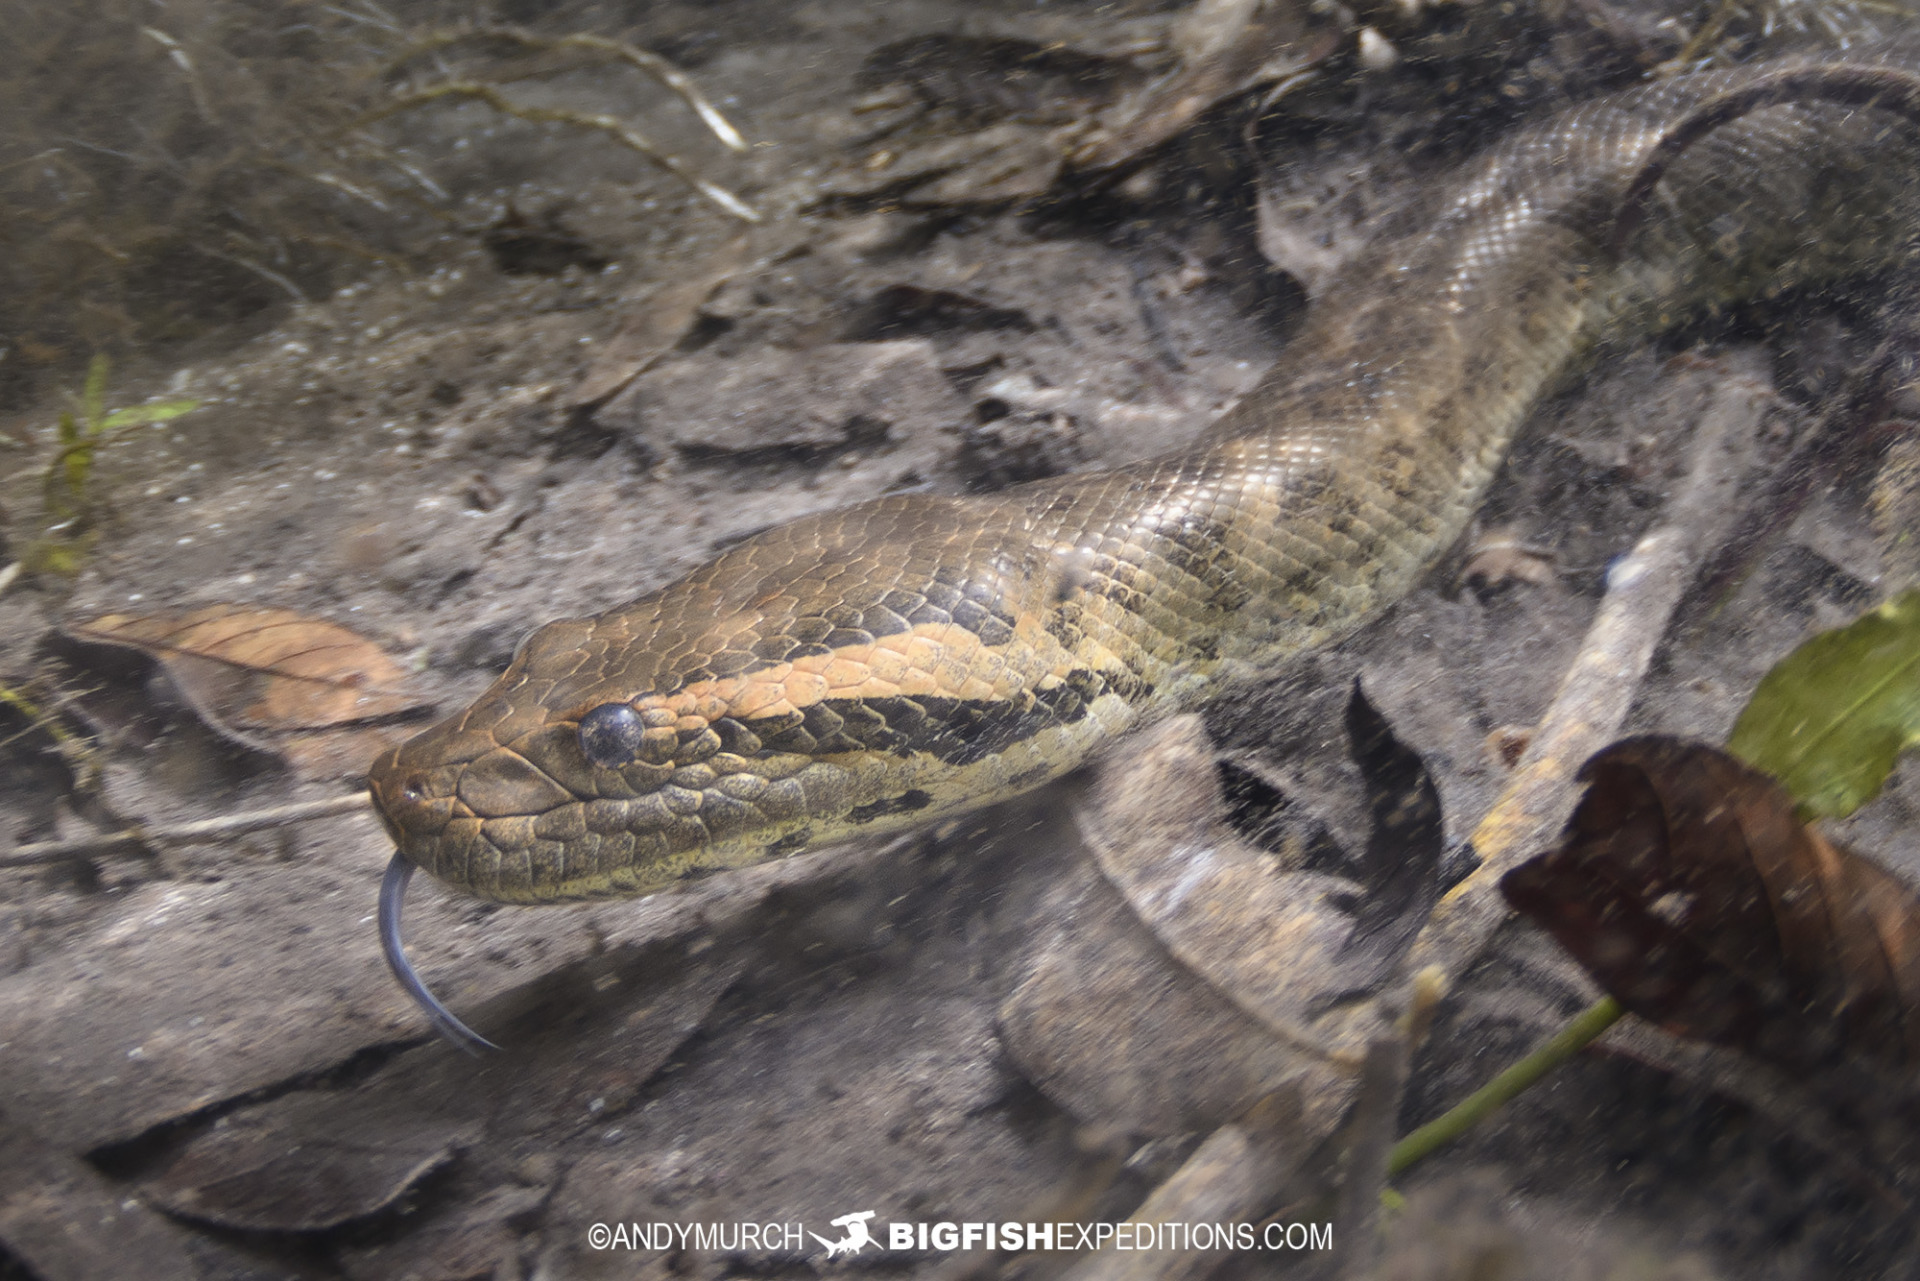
point(857, 1238)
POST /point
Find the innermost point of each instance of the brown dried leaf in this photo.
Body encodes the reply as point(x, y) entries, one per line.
point(272, 678)
point(1269, 941)
point(1689, 890)
point(266, 669)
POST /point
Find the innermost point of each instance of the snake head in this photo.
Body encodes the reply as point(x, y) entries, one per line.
point(741, 715)
point(540, 792)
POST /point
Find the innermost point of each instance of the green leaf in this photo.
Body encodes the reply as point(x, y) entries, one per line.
point(66, 479)
point(141, 415)
point(1830, 718)
point(93, 399)
point(77, 464)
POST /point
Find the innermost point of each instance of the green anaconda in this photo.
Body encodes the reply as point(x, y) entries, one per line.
point(916, 656)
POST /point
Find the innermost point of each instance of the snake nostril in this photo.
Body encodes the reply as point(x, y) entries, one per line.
point(610, 735)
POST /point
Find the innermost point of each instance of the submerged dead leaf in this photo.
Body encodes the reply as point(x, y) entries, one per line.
point(1401, 867)
point(272, 679)
point(583, 1038)
point(1690, 891)
point(1270, 941)
point(476, 1241)
point(1106, 1025)
point(1195, 974)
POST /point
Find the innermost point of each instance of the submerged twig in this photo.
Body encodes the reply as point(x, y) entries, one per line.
point(177, 54)
point(1463, 1116)
point(132, 839)
point(620, 131)
point(641, 59)
point(266, 273)
point(75, 750)
point(1643, 589)
point(1383, 1081)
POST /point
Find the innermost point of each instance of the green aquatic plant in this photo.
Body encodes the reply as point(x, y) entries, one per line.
point(68, 497)
point(170, 172)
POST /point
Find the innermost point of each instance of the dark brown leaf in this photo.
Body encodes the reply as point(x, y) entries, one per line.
point(1688, 889)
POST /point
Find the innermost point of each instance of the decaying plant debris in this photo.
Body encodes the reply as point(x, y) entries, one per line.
point(996, 243)
point(165, 176)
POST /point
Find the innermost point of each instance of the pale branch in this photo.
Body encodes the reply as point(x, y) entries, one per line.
point(625, 134)
point(135, 839)
point(633, 55)
point(1643, 589)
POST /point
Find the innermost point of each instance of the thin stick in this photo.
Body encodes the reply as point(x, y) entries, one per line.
point(1444, 1129)
point(78, 752)
point(1356, 1219)
point(634, 56)
point(210, 829)
point(621, 132)
point(1643, 589)
point(1723, 13)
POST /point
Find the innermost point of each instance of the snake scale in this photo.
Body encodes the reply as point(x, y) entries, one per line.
point(916, 656)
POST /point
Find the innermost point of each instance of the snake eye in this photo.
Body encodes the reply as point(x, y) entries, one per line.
point(610, 735)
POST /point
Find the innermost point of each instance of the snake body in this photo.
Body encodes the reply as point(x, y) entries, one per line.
point(916, 656)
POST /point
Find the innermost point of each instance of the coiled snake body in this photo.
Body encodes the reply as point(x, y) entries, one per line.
point(915, 656)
